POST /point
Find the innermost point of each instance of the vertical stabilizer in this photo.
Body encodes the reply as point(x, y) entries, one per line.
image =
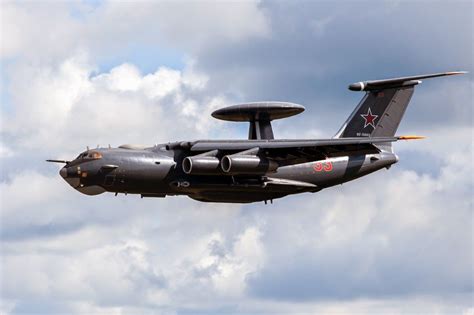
point(381, 109)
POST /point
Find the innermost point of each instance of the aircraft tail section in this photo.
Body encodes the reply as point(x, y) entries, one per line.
point(381, 109)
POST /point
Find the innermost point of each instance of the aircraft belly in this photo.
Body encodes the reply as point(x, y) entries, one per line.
point(235, 196)
point(226, 189)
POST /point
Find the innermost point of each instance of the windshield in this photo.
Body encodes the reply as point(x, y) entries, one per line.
point(89, 155)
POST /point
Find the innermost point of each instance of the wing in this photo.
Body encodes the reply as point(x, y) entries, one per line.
point(288, 152)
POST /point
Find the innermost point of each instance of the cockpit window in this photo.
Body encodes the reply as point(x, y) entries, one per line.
point(94, 155)
point(90, 155)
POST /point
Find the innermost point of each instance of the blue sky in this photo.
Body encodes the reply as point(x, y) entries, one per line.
point(77, 74)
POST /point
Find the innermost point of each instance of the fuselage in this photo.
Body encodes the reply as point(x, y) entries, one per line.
point(157, 172)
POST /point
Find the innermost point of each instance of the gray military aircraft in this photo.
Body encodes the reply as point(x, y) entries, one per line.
point(261, 168)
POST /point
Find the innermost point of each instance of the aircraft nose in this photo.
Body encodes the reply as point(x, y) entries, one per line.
point(72, 180)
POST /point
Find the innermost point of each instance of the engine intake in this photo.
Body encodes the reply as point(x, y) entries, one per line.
point(247, 164)
point(201, 165)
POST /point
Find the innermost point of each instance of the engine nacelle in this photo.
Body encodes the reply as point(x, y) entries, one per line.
point(201, 165)
point(247, 164)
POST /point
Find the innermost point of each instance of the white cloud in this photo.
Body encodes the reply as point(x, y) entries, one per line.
point(105, 28)
point(55, 104)
point(232, 269)
point(177, 254)
point(398, 230)
point(394, 242)
point(104, 266)
point(125, 77)
point(5, 151)
point(108, 253)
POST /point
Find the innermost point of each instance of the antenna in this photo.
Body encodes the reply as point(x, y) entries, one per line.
point(259, 115)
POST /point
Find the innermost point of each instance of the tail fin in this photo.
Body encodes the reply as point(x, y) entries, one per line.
point(382, 108)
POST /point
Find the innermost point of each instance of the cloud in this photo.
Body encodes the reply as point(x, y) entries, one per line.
point(175, 254)
point(5, 151)
point(108, 27)
point(124, 265)
point(393, 242)
point(56, 104)
point(360, 41)
point(369, 224)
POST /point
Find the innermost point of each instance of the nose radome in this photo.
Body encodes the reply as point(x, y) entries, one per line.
point(72, 180)
point(63, 172)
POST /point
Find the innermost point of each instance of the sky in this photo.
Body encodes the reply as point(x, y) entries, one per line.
point(88, 73)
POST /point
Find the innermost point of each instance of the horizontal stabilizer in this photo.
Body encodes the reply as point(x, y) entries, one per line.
point(397, 82)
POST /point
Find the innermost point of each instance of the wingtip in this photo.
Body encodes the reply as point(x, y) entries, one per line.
point(456, 72)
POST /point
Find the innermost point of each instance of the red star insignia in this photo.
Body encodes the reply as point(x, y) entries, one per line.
point(369, 119)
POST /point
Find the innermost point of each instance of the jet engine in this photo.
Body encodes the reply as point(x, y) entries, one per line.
point(247, 164)
point(201, 165)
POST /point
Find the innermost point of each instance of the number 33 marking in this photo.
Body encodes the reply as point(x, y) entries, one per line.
point(322, 166)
